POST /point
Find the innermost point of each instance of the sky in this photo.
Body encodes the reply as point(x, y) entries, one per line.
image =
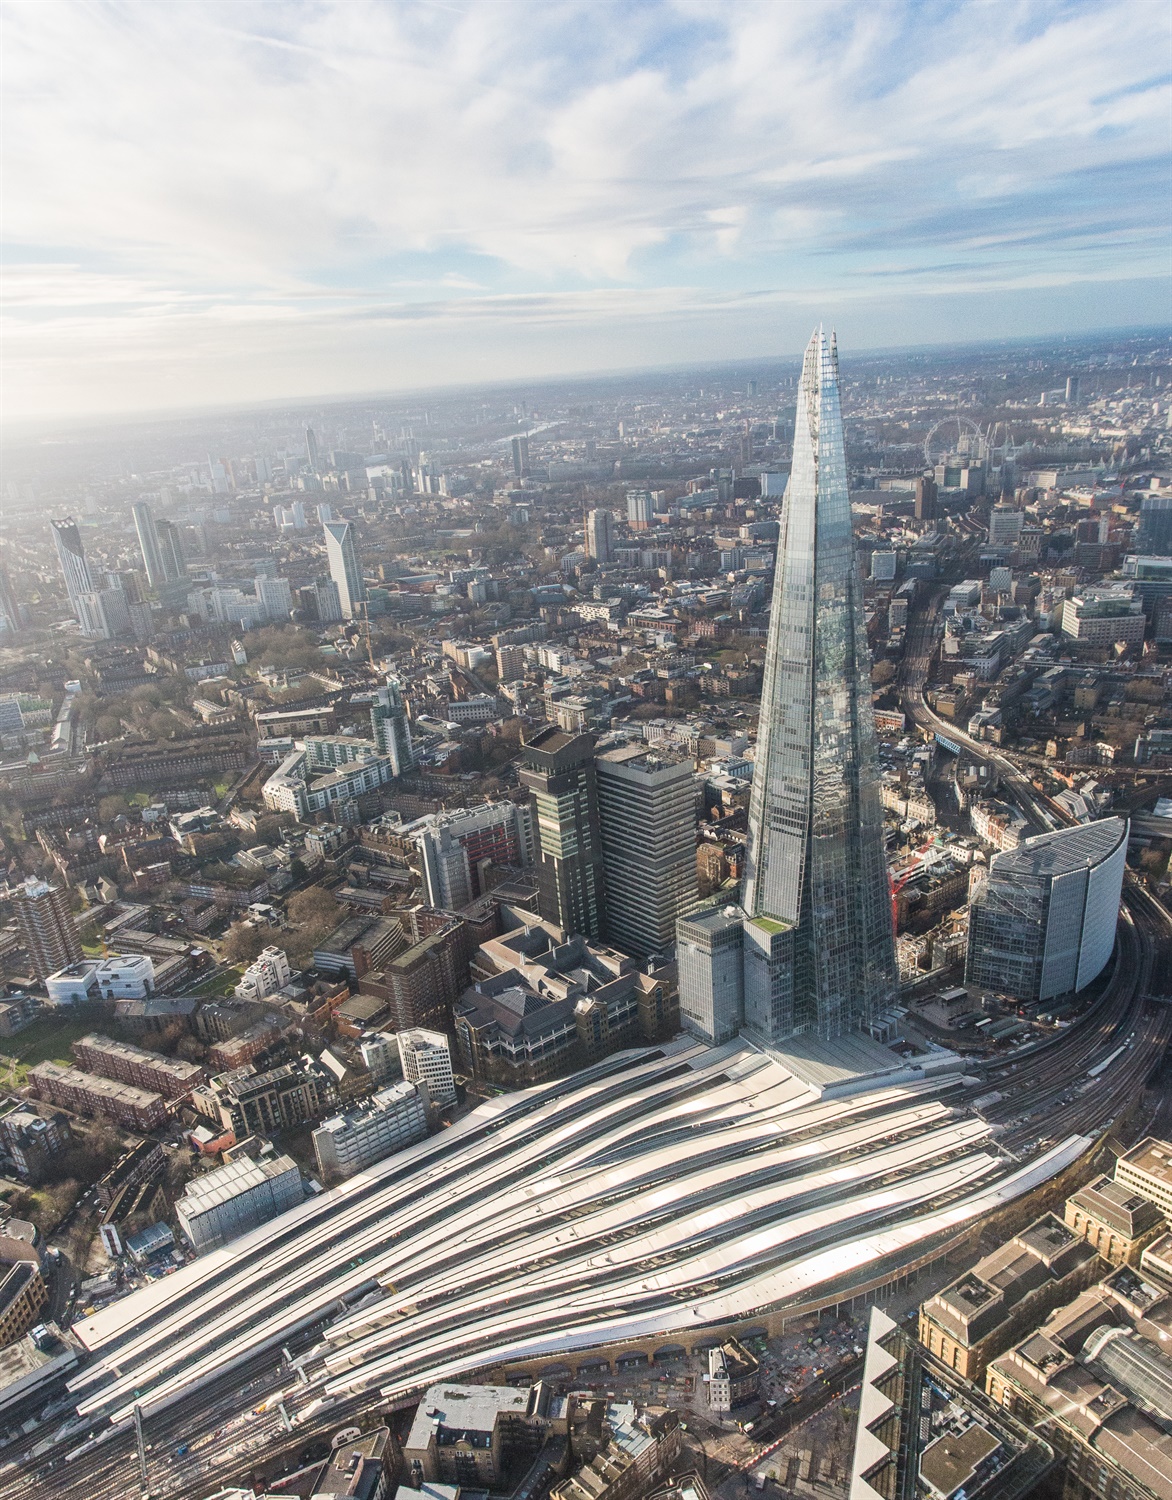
point(222, 201)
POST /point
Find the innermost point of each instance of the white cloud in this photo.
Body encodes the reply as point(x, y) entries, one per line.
point(184, 168)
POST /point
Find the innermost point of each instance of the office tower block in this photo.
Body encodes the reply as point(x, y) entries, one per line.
point(647, 821)
point(9, 609)
point(389, 728)
point(71, 556)
point(926, 494)
point(1005, 523)
point(1043, 923)
point(558, 768)
point(171, 551)
point(1154, 537)
point(1072, 390)
point(457, 849)
point(819, 946)
point(600, 535)
point(311, 452)
point(520, 456)
point(345, 568)
point(148, 543)
point(710, 952)
point(230, 1200)
point(47, 927)
point(640, 508)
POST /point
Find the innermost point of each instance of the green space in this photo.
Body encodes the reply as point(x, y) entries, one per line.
point(46, 1040)
point(220, 788)
point(221, 984)
point(771, 926)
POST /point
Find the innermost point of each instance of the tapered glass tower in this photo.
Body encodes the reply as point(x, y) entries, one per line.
point(819, 951)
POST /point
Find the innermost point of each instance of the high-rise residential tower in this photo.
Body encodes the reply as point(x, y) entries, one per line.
point(171, 551)
point(345, 568)
point(558, 768)
point(640, 509)
point(600, 535)
point(148, 543)
point(819, 953)
point(647, 819)
point(47, 927)
point(71, 555)
point(389, 728)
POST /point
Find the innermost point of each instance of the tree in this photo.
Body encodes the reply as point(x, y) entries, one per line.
point(242, 943)
point(313, 905)
point(113, 807)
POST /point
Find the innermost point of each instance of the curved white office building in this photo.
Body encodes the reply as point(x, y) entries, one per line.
point(1043, 924)
point(654, 1195)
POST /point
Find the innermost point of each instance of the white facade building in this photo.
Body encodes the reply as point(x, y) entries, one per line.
point(380, 1054)
point(427, 1059)
point(121, 976)
point(269, 973)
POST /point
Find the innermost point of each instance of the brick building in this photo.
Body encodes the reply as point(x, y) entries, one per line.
point(104, 1098)
point(169, 1076)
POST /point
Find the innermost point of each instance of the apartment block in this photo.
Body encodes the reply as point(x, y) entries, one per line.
point(169, 1076)
point(105, 1098)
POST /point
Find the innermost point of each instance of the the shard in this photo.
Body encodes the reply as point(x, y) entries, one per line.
point(810, 951)
point(819, 952)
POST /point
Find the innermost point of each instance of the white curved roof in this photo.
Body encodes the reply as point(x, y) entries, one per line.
point(657, 1192)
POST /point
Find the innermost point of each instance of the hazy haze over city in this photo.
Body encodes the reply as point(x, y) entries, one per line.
point(214, 203)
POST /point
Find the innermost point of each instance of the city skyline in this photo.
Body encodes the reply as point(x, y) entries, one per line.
point(672, 186)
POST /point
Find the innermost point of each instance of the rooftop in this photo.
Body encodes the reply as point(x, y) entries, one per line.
point(1152, 1157)
point(1061, 853)
point(229, 1181)
point(951, 1462)
point(463, 1409)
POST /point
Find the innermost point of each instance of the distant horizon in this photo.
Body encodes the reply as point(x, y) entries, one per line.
point(28, 429)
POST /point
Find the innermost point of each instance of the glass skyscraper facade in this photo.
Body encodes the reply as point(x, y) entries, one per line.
point(819, 947)
point(345, 568)
point(818, 943)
